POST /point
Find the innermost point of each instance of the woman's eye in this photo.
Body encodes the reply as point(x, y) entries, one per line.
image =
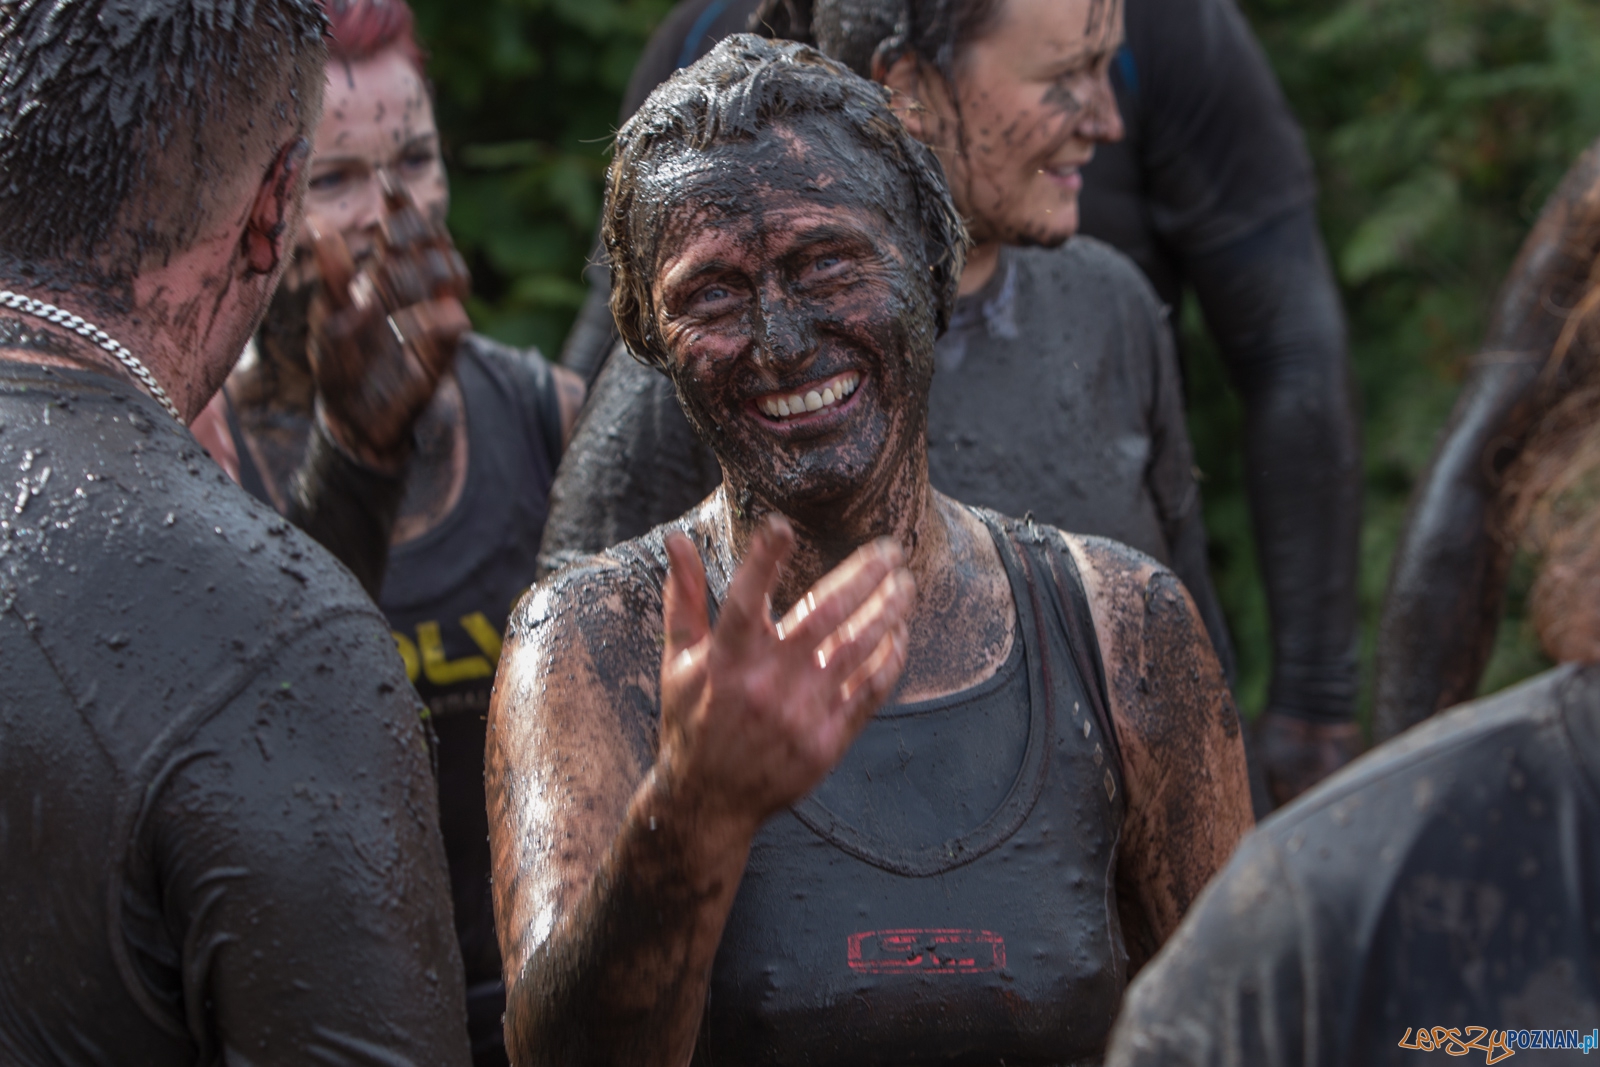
point(827, 262)
point(325, 183)
point(713, 294)
point(418, 160)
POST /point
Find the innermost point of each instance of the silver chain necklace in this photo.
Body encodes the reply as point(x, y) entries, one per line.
point(90, 332)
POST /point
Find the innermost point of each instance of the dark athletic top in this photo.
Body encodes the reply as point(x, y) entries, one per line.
point(1055, 392)
point(947, 894)
point(1211, 188)
point(218, 833)
point(447, 596)
point(1448, 879)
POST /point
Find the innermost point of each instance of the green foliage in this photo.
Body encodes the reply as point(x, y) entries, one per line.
point(1438, 128)
point(527, 95)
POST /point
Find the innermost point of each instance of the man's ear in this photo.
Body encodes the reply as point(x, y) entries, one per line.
point(903, 79)
point(265, 241)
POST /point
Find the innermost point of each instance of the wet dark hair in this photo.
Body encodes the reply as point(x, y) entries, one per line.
point(744, 86)
point(124, 124)
point(1551, 489)
point(856, 31)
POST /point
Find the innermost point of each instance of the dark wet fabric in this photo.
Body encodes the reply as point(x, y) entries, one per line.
point(1055, 392)
point(1212, 151)
point(218, 832)
point(447, 595)
point(1212, 187)
point(891, 918)
point(1448, 879)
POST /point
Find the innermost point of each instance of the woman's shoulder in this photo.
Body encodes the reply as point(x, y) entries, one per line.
point(1093, 269)
point(618, 589)
point(1100, 558)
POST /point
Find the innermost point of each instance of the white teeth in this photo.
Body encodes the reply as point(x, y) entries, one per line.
point(835, 390)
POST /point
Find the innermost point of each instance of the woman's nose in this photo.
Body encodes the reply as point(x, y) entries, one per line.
point(785, 332)
point(1102, 119)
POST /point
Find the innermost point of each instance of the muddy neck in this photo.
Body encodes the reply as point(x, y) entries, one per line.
point(982, 260)
point(907, 509)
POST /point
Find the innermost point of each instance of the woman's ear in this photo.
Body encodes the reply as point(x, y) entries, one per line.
point(903, 79)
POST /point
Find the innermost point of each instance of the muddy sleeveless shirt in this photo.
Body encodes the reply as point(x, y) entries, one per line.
point(947, 895)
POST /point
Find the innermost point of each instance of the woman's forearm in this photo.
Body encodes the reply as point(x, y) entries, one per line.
point(622, 976)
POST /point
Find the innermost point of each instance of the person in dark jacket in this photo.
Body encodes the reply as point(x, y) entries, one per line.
point(219, 840)
point(1211, 189)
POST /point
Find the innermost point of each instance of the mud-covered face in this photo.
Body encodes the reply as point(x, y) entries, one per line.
point(1034, 97)
point(376, 118)
point(798, 328)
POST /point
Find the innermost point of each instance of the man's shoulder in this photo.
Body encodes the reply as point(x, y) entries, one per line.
point(1446, 752)
point(151, 578)
point(1374, 881)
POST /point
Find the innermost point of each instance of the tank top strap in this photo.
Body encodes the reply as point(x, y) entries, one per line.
point(1052, 572)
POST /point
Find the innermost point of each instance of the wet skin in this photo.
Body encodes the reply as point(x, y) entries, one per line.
point(635, 750)
point(1029, 101)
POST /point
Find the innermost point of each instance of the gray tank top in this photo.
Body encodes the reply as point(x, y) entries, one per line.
point(947, 895)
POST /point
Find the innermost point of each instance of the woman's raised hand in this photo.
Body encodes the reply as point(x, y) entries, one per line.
point(755, 713)
point(383, 332)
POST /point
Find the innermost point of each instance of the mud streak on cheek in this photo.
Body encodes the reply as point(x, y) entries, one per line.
point(1060, 99)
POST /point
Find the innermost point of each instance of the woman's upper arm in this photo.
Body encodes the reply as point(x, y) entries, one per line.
point(1177, 728)
point(571, 734)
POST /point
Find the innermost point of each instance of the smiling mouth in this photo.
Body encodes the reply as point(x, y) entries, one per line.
point(814, 398)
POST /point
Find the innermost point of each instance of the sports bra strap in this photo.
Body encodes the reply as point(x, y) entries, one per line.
point(1070, 603)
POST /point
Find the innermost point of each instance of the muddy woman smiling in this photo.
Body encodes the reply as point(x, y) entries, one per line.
point(758, 776)
point(1057, 390)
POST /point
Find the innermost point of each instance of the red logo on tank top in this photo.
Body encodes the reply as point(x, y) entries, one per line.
point(926, 951)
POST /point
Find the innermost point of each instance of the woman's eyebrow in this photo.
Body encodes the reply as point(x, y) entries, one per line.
point(678, 278)
point(828, 233)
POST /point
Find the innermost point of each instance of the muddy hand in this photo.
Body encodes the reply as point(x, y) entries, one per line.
point(385, 331)
point(755, 714)
point(1297, 754)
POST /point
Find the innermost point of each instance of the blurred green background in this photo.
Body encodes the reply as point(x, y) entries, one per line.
point(1438, 128)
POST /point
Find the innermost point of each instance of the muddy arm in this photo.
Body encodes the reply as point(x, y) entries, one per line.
point(618, 846)
point(1448, 579)
point(1179, 737)
point(607, 918)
